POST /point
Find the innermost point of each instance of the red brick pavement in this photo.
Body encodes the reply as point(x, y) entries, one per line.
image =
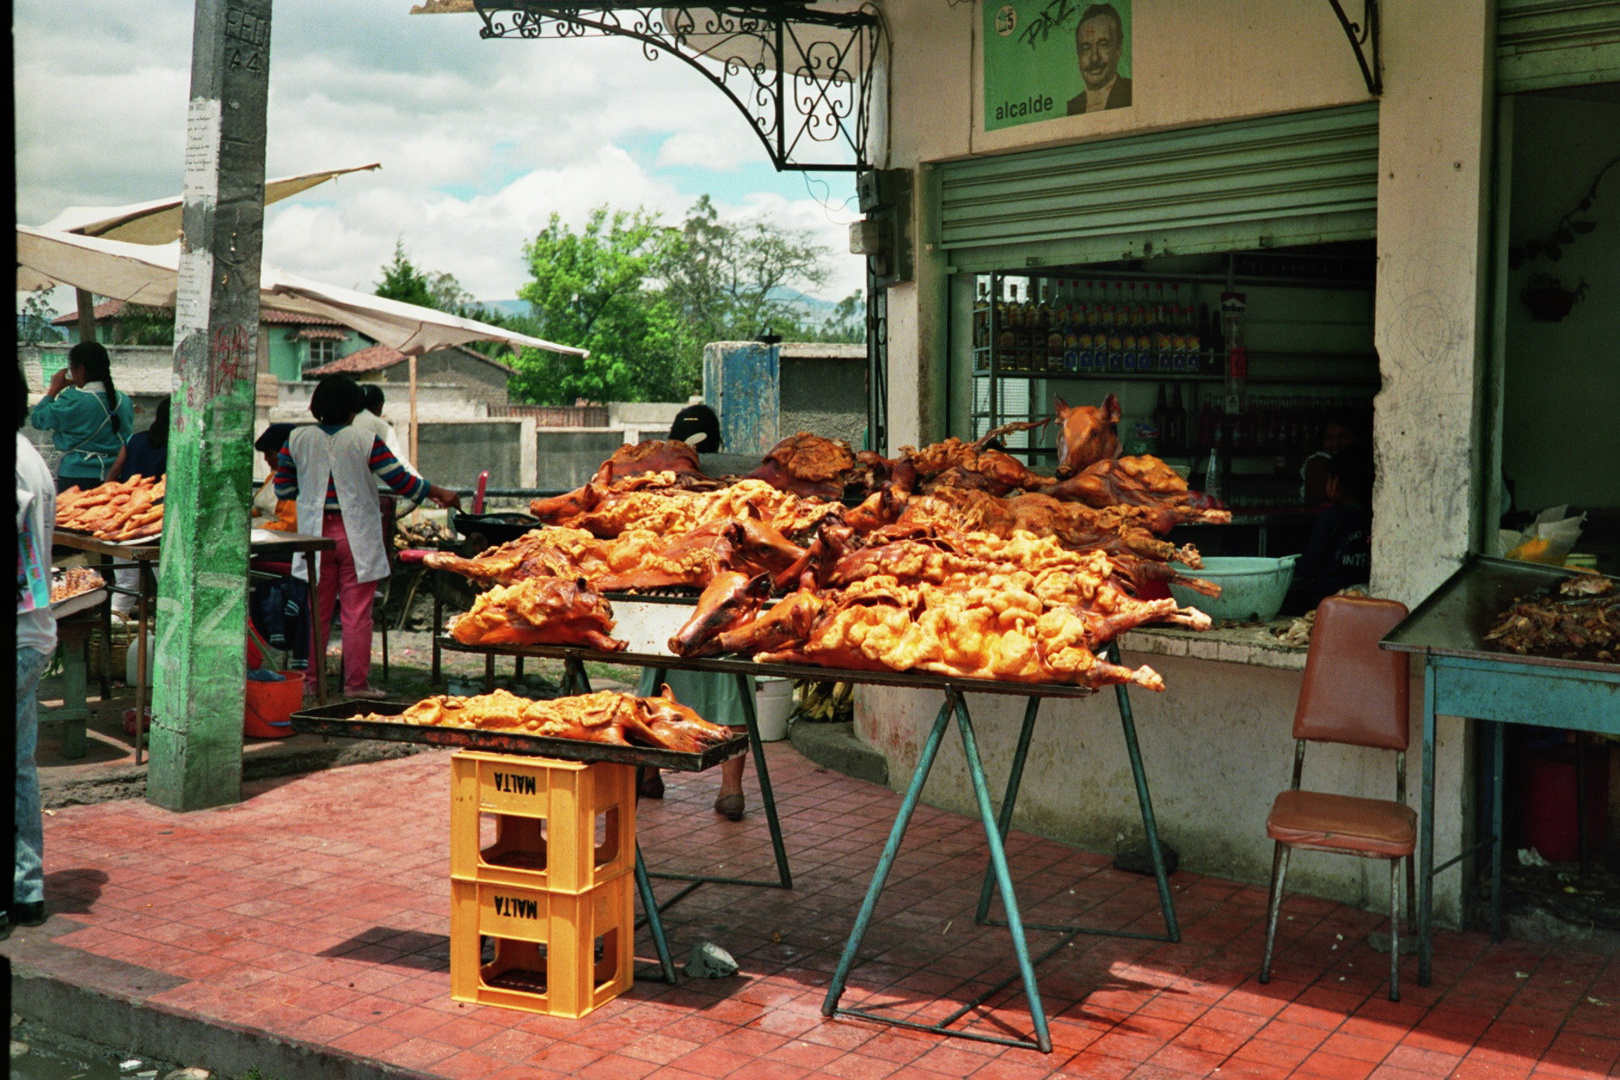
point(317, 910)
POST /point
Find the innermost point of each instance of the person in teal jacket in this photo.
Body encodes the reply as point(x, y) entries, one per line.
point(89, 419)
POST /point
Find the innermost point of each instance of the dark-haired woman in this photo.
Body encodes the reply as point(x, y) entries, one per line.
point(147, 452)
point(89, 419)
point(331, 468)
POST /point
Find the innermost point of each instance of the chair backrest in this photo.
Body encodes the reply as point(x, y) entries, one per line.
point(1354, 692)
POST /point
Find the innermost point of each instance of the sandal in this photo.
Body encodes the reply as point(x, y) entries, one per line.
point(730, 807)
point(650, 783)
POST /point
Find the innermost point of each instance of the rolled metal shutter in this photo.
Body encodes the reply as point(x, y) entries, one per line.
point(1541, 44)
point(1293, 179)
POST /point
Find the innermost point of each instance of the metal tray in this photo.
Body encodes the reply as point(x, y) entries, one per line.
point(339, 719)
point(1455, 618)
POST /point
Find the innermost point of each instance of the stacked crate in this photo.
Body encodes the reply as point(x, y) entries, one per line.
point(557, 901)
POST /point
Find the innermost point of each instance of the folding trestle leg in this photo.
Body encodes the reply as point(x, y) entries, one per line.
point(1149, 823)
point(745, 692)
point(655, 924)
point(998, 859)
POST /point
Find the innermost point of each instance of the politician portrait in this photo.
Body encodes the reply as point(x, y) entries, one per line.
point(1098, 40)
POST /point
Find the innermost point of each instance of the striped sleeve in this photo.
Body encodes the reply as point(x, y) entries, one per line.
point(286, 475)
point(388, 468)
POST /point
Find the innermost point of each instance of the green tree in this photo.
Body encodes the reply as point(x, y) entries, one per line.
point(599, 289)
point(403, 281)
point(732, 280)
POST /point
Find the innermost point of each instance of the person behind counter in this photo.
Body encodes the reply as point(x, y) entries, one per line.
point(331, 469)
point(36, 644)
point(712, 694)
point(1339, 552)
point(147, 452)
point(89, 419)
point(269, 512)
point(1339, 433)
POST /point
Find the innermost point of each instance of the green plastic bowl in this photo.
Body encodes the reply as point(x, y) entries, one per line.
point(1252, 589)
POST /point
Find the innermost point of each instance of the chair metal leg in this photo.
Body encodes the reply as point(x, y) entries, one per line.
point(1279, 873)
point(1395, 929)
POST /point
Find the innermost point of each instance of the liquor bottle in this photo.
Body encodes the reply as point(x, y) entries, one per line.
point(1161, 417)
point(1073, 327)
point(981, 329)
point(1006, 332)
point(1053, 346)
point(1177, 428)
point(1215, 343)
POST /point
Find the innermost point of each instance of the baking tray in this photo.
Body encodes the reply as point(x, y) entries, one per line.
point(1455, 618)
point(340, 719)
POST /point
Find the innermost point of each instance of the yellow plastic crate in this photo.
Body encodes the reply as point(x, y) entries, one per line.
point(546, 946)
point(546, 815)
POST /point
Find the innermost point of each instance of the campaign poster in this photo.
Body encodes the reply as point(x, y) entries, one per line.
point(1045, 59)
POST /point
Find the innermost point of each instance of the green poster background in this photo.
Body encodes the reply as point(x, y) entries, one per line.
point(1030, 70)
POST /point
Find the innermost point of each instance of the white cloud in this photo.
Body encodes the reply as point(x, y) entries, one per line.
point(480, 141)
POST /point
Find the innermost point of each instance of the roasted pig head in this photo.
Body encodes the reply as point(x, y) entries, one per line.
point(786, 625)
point(810, 465)
point(648, 456)
point(662, 721)
point(1088, 434)
point(561, 509)
point(731, 599)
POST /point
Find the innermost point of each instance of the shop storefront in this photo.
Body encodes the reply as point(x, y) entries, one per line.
point(1359, 243)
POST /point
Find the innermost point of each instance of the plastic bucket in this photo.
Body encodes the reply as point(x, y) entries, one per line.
point(270, 706)
point(773, 704)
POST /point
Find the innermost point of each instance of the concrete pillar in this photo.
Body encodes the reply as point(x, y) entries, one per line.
point(1435, 124)
point(202, 591)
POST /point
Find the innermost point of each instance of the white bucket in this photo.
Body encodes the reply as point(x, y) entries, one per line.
point(773, 703)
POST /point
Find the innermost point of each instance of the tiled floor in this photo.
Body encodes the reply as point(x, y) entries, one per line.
point(318, 910)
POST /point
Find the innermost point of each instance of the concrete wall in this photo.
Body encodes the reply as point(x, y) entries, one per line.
point(825, 395)
point(452, 454)
point(1562, 379)
point(566, 459)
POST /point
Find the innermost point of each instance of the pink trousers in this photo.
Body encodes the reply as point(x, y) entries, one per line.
point(337, 584)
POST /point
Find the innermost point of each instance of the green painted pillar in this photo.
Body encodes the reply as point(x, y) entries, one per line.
point(200, 666)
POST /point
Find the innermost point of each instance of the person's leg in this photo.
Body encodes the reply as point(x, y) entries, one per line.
point(27, 907)
point(730, 800)
point(358, 599)
point(326, 593)
point(126, 577)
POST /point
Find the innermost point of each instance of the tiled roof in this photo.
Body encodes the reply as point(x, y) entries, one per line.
point(107, 309)
point(319, 333)
point(372, 358)
point(111, 309)
point(378, 357)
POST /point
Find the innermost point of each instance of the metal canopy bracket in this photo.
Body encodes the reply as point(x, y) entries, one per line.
point(803, 76)
point(1363, 39)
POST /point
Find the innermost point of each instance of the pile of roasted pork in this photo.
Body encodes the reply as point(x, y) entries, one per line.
point(605, 717)
point(119, 512)
point(955, 559)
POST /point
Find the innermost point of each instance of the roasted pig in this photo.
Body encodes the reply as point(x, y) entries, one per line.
point(609, 717)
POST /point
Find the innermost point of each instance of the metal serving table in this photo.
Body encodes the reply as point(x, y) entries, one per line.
point(143, 557)
point(995, 826)
point(1465, 677)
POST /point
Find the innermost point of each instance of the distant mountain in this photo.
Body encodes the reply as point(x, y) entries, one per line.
point(506, 307)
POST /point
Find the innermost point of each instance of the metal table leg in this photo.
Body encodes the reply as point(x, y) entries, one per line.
point(654, 922)
point(998, 858)
point(1497, 764)
point(1144, 800)
point(143, 673)
point(1425, 912)
point(784, 876)
point(106, 636)
point(317, 647)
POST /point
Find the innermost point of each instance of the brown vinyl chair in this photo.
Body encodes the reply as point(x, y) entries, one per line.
point(1354, 693)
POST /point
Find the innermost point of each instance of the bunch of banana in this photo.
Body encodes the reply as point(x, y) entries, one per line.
point(824, 700)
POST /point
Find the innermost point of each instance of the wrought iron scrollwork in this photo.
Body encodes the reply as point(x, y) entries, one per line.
point(803, 77)
point(1363, 37)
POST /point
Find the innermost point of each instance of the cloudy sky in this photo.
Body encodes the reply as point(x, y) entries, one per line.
point(480, 141)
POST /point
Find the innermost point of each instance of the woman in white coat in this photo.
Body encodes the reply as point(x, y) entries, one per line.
point(332, 468)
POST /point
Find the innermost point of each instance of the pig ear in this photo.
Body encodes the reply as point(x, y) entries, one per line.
point(1062, 408)
point(666, 693)
point(1111, 409)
